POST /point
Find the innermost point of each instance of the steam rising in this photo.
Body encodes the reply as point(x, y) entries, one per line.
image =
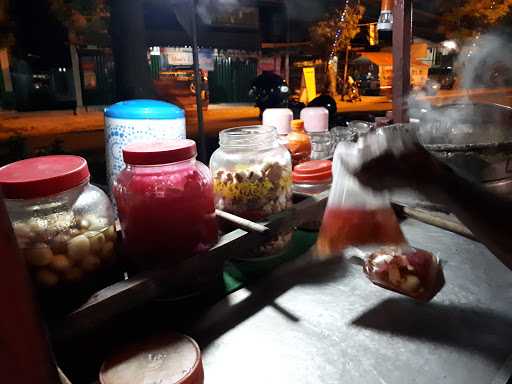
point(305, 10)
point(205, 8)
point(484, 63)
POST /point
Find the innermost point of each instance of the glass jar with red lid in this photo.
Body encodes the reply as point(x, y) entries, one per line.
point(312, 177)
point(165, 203)
point(63, 225)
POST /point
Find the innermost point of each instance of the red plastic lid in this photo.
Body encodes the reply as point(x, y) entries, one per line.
point(313, 172)
point(158, 152)
point(170, 359)
point(42, 176)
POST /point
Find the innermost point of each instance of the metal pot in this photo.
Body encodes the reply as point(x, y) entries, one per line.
point(475, 139)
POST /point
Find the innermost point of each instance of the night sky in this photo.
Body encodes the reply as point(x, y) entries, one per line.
point(40, 37)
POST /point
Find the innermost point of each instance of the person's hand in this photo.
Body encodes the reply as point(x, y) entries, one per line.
point(392, 165)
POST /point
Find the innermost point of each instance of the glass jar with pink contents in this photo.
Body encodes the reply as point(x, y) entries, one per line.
point(165, 203)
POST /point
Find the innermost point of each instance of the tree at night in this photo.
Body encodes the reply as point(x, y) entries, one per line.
point(86, 20)
point(465, 18)
point(130, 51)
point(90, 21)
point(6, 35)
point(332, 36)
point(7, 41)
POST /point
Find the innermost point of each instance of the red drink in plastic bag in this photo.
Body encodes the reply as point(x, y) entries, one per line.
point(355, 215)
point(344, 227)
point(359, 217)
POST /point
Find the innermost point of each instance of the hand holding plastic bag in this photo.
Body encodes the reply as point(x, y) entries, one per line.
point(357, 216)
point(393, 158)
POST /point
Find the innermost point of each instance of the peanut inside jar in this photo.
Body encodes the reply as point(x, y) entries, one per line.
point(253, 176)
point(64, 225)
point(254, 193)
point(63, 249)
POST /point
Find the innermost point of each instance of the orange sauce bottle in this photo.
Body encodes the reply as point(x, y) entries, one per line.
point(299, 143)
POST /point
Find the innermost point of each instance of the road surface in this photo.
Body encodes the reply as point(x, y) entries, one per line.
point(84, 132)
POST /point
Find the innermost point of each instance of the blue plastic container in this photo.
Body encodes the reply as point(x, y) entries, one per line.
point(139, 120)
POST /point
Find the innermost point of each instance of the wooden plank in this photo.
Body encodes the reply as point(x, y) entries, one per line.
point(436, 218)
point(240, 222)
point(191, 275)
point(402, 37)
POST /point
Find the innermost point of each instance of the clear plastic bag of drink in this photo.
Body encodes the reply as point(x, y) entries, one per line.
point(355, 215)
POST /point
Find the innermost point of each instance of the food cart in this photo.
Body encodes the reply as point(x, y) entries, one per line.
point(295, 319)
point(306, 323)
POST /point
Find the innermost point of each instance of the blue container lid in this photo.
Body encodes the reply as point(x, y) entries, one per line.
point(144, 109)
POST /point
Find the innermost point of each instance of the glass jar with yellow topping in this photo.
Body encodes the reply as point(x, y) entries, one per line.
point(252, 173)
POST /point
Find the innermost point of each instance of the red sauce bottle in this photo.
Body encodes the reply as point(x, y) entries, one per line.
point(25, 356)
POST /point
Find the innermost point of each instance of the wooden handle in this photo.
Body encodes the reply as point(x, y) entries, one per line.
point(242, 223)
point(437, 221)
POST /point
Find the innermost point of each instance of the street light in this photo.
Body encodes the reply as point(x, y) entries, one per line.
point(385, 23)
point(450, 45)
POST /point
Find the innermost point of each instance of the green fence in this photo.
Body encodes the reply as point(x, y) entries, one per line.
point(155, 67)
point(231, 79)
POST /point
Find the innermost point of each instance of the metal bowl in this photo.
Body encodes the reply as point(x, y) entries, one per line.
point(475, 139)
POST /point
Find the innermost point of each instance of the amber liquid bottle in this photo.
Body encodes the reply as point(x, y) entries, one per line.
point(25, 356)
point(299, 143)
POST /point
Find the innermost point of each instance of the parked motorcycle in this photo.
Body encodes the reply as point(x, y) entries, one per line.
point(269, 90)
point(352, 91)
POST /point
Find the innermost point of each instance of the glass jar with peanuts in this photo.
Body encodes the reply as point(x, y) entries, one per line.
point(63, 224)
point(252, 177)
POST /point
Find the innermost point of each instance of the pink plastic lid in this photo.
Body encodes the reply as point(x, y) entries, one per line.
point(316, 119)
point(280, 118)
point(42, 176)
point(159, 152)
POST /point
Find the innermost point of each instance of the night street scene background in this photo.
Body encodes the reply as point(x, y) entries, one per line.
point(142, 49)
point(365, 123)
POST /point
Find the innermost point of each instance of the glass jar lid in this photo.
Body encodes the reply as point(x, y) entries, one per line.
point(313, 172)
point(297, 125)
point(255, 136)
point(158, 152)
point(280, 118)
point(42, 176)
point(316, 119)
point(144, 109)
point(179, 361)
